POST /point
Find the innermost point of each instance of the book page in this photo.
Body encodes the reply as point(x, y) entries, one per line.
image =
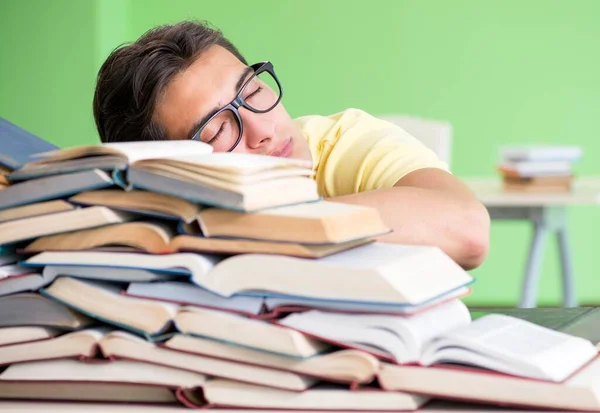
point(242, 163)
point(321, 209)
point(532, 350)
point(135, 151)
point(373, 256)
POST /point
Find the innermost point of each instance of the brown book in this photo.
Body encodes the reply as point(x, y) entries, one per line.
point(32, 210)
point(156, 237)
point(76, 219)
point(139, 201)
point(540, 180)
point(309, 223)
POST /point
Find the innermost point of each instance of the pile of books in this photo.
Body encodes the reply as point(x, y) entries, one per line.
point(158, 272)
point(538, 168)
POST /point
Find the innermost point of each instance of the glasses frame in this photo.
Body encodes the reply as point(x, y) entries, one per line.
point(239, 101)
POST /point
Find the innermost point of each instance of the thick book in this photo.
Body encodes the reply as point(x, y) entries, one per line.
point(577, 392)
point(227, 189)
point(311, 223)
point(35, 310)
point(90, 344)
point(109, 381)
point(538, 184)
point(446, 335)
point(19, 145)
point(535, 169)
point(353, 367)
point(220, 393)
point(377, 272)
point(81, 218)
point(158, 237)
point(53, 187)
point(266, 307)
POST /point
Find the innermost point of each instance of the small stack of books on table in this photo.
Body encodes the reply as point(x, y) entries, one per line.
point(538, 168)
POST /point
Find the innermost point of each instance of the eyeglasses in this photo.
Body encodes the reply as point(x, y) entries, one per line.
point(259, 94)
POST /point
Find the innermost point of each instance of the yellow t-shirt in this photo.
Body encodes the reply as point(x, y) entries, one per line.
point(354, 152)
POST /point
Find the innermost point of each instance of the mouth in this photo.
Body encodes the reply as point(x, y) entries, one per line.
point(285, 151)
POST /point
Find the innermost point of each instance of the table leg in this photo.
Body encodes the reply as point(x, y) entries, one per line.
point(566, 262)
point(534, 262)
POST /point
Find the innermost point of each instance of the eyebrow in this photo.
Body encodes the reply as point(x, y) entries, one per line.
point(206, 117)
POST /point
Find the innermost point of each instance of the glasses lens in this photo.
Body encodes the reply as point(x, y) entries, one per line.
point(263, 92)
point(221, 132)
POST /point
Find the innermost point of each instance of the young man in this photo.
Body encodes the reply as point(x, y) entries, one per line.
point(186, 81)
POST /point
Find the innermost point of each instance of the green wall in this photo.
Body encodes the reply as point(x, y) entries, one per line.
point(47, 69)
point(500, 71)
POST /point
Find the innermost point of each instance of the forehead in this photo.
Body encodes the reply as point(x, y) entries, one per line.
point(207, 83)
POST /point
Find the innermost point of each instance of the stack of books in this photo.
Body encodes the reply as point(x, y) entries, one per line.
point(538, 168)
point(158, 272)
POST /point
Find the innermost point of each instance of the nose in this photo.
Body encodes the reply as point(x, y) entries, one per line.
point(259, 129)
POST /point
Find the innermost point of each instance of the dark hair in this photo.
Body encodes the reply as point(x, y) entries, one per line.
point(132, 78)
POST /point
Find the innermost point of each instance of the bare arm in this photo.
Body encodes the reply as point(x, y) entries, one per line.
point(432, 207)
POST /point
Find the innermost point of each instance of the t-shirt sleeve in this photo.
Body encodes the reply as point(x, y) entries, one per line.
point(356, 152)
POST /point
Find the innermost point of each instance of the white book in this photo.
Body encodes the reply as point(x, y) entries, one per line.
point(541, 152)
point(380, 273)
point(119, 345)
point(578, 392)
point(527, 169)
point(446, 335)
point(226, 393)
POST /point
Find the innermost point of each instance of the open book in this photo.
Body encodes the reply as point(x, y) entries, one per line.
point(152, 318)
point(268, 307)
point(399, 274)
point(134, 381)
point(343, 366)
point(106, 156)
point(188, 169)
point(445, 334)
point(579, 392)
point(314, 229)
point(85, 344)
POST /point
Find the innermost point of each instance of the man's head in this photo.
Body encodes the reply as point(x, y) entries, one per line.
point(174, 77)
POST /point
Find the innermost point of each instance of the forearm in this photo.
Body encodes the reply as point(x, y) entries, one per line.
point(459, 225)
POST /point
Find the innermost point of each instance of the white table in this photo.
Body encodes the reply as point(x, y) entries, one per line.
point(548, 213)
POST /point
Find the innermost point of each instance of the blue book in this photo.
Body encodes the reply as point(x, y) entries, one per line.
point(383, 274)
point(52, 187)
point(18, 145)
